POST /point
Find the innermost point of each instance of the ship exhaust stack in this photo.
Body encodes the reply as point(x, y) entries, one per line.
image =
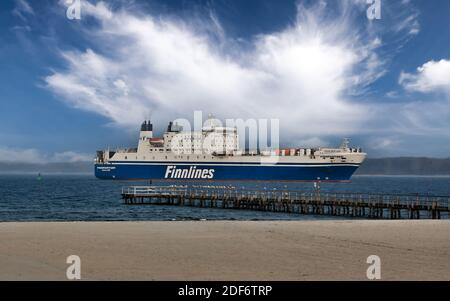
point(146, 132)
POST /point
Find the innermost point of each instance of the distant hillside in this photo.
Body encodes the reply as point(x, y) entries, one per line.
point(74, 167)
point(405, 166)
point(382, 166)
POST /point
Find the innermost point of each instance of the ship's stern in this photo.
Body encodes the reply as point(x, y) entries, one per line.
point(103, 169)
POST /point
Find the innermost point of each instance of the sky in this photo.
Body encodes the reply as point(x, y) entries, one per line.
point(323, 68)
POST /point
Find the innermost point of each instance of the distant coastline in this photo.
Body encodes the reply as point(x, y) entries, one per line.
point(372, 166)
point(405, 166)
point(68, 167)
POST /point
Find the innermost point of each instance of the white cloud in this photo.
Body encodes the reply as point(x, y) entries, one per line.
point(431, 76)
point(426, 118)
point(410, 24)
point(31, 155)
point(305, 74)
point(121, 86)
point(419, 127)
point(70, 156)
point(392, 94)
point(384, 143)
point(22, 8)
point(24, 28)
point(421, 118)
point(166, 69)
point(23, 5)
point(19, 155)
point(312, 142)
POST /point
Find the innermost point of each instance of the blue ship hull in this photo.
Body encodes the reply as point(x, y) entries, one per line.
point(224, 171)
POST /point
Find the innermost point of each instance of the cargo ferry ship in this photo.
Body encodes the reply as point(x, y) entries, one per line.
point(213, 154)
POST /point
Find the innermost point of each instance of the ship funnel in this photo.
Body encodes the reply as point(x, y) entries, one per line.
point(174, 127)
point(146, 126)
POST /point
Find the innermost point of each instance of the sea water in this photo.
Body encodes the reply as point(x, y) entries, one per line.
point(82, 197)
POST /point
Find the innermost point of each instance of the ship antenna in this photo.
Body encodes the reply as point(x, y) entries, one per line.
point(345, 143)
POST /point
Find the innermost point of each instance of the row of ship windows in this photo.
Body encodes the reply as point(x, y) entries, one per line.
point(201, 140)
point(168, 149)
point(176, 157)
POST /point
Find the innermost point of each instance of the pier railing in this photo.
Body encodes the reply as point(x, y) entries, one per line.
point(293, 201)
point(150, 190)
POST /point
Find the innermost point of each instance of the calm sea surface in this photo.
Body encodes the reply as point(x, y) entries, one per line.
point(69, 197)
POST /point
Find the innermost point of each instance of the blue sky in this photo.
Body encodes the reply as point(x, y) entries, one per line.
point(69, 87)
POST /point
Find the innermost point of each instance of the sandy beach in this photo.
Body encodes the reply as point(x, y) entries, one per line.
point(226, 250)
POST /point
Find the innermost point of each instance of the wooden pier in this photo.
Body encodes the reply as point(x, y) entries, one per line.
point(356, 205)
